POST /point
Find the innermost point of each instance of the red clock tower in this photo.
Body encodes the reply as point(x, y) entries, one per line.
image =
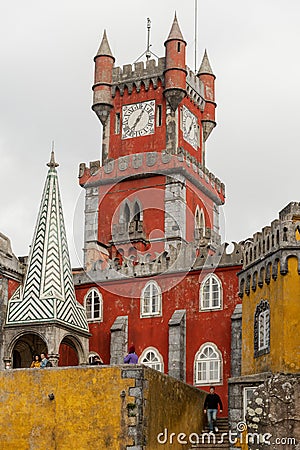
point(152, 244)
point(153, 189)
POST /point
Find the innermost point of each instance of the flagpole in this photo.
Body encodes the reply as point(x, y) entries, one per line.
point(196, 13)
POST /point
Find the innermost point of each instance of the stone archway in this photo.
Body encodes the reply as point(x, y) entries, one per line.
point(70, 351)
point(25, 347)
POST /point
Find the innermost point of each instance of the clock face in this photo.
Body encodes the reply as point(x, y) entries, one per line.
point(138, 119)
point(190, 127)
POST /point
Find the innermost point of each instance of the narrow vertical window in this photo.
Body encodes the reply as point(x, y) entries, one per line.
point(93, 305)
point(262, 329)
point(178, 47)
point(216, 219)
point(211, 293)
point(126, 213)
point(159, 115)
point(151, 300)
point(117, 123)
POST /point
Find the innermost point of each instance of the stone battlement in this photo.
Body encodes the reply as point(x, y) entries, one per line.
point(195, 88)
point(133, 75)
point(143, 72)
point(183, 258)
point(150, 162)
point(9, 263)
point(270, 248)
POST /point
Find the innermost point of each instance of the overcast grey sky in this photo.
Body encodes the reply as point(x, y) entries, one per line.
point(47, 51)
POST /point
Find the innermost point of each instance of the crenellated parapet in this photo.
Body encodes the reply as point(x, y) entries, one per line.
point(152, 162)
point(266, 254)
point(132, 76)
point(10, 265)
point(195, 89)
point(183, 258)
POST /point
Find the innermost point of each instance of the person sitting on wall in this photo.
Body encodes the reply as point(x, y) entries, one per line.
point(131, 357)
point(36, 363)
point(211, 404)
point(45, 362)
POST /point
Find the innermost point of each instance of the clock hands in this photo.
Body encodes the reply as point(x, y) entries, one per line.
point(191, 126)
point(138, 118)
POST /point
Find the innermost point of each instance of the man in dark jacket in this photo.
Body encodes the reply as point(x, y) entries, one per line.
point(211, 404)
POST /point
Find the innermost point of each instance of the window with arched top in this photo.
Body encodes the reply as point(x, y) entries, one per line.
point(208, 365)
point(136, 212)
point(93, 305)
point(126, 214)
point(211, 293)
point(152, 358)
point(151, 300)
point(262, 329)
point(199, 218)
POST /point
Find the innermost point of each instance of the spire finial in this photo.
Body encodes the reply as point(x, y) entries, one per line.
point(104, 49)
point(175, 32)
point(52, 164)
point(205, 67)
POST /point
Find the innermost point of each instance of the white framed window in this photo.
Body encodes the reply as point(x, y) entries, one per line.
point(152, 358)
point(151, 300)
point(211, 293)
point(208, 365)
point(262, 329)
point(94, 305)
point(247, 398)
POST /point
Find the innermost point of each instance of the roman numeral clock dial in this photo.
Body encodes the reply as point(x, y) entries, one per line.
point(138, 119)
point(190, 127)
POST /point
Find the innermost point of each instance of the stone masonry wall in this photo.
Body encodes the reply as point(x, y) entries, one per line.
point(103, 407)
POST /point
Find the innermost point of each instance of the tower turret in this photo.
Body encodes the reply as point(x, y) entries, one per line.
point(175, 72)
point(104, 62)
point(207, 77)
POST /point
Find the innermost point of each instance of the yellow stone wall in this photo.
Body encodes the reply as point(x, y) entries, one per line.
point(283, 295)
point(172, 407)
point(90, 408)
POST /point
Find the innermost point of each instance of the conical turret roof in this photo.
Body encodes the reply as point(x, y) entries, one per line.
point(104, 49)
point(175, 32)
point(205, 66)
point(48, 294)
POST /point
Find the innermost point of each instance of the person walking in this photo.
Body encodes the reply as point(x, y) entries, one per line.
point(211, 404)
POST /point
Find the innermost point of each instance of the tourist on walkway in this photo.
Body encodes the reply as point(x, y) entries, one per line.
point(211, 404)
point(132, 357)
point(36, 363)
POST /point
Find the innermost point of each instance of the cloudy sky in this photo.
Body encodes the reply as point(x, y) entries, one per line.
point(46, 58)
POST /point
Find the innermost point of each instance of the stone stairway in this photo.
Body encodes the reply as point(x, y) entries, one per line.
point(217, 441)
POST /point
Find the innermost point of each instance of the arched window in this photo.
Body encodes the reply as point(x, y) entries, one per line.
point(136, 212)
point(151, 300)
point(92, 356)
point(126, 214)
point(199, 219)
point(93, 305)
point(208, 365)
point(262, 329)
point(137, 215)
point(211, 293)
point(152, 358)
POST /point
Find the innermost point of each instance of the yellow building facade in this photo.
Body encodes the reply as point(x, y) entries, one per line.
point(269, 286)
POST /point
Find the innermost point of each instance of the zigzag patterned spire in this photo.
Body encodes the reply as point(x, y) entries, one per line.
point(48, 294)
